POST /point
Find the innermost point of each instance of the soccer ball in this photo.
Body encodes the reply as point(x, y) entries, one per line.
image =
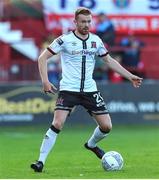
point(112, 161)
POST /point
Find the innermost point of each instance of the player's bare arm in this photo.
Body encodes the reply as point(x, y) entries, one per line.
point(114, 65)
point(42, 64)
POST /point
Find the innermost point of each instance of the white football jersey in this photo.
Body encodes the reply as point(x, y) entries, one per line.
point(78, 60)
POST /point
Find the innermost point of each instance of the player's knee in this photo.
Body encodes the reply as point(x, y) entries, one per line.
point(57, 124)
point(107, 127)
point(58, 120)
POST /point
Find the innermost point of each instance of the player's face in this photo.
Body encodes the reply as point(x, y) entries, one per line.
point(83, 23)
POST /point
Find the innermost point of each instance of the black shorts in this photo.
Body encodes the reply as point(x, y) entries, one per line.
point(92, 101)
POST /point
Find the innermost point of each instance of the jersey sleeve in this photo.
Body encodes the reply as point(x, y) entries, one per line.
point(102, 51)
point(56, 46)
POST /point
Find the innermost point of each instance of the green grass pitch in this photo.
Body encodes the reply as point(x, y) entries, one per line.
point(19, 146)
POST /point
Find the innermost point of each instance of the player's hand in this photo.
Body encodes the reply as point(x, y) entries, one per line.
point(49, 87)
point(136, 81)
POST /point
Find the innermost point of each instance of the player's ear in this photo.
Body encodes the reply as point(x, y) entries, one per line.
point(75, 21)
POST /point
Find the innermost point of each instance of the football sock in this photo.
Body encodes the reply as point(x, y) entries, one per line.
point(97, 135)
point(48, 143)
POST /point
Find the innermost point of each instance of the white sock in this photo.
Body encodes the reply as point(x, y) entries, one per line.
point(47, 145)
point(96, 137)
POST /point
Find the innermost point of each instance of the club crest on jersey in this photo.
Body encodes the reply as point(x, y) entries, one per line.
point(59, 101)
point(59, 41)
point(93, 44)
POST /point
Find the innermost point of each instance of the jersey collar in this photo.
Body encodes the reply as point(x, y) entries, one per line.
point(81, 38)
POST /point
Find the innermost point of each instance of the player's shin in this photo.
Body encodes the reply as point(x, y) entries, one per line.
point(97, 135)
point(48, 143)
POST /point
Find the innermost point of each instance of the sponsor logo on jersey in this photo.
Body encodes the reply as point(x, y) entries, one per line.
point(83, 52)
point(93, 44)
point(59, 41)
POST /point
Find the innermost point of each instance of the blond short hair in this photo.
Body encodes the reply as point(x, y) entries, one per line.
point(82, 10)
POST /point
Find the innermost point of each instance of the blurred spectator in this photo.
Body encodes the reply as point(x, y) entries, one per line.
point(54, 70)
point(100, 70)
point(131, 55)
point(114, 77)
point(105, 29)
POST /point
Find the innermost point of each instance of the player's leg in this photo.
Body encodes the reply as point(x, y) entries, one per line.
point(50, 138)
point(64, 105)
point(95, 104)
point(100, 132)
point(51, 135)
